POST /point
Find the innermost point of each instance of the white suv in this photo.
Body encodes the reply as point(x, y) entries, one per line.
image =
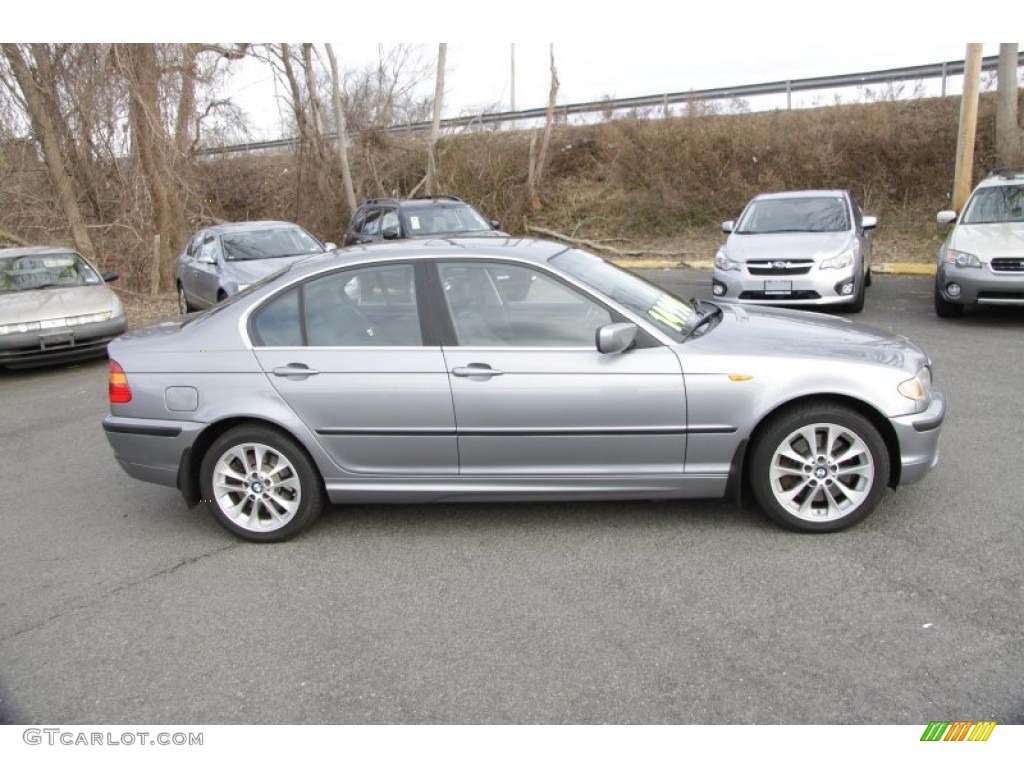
point(982, 260)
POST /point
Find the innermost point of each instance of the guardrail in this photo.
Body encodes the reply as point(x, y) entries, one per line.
point(943, 70)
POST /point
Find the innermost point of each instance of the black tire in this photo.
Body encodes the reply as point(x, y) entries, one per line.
point(819, 495)
point(868, 279)
point(183, 306)
point(945, 308)
point(275, 500)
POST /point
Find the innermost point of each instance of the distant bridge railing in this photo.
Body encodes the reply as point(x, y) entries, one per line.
point(941, 70)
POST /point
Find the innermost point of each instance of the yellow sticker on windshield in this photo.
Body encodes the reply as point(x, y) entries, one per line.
point(671, 312)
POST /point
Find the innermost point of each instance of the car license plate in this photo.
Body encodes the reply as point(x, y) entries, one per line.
point(50, 340)
point(778, 287)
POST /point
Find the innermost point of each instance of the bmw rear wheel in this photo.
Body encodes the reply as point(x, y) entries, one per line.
point(260, 484)
point(819, 467)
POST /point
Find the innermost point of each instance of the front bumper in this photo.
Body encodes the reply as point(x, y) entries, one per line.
point(982, 285)
point(817, 287)
point(24, 350)
point(918, 437)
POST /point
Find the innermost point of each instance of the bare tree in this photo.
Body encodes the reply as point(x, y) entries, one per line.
point(435, 126)
point(139, 65)
point(1009, 133)
point(340, 128)
point(536, 168)
point(48, 134)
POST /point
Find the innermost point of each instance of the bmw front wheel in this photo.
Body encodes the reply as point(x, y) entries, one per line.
point(819, 467)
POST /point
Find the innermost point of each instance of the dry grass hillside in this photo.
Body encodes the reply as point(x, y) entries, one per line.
point(661, 185)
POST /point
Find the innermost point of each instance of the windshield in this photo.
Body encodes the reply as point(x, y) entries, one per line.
point(992, 205)
point(269, 244)
point(444, 220)
point(668, 312)
point(794, 214)
point(54, 270)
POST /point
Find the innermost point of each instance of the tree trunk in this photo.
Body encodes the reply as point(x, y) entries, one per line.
point(435, 126)
point(537, 170)
point(186, 101)
point(48, 136)
point(962, 174)
point(139, 64)
point(339, 119)
point(1009, 134)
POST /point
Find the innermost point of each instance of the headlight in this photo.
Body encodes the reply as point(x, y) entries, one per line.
point(961, 259)
point(18, 328)
point(919, 387)
point(842, 261)
point(726, 264)
point(57, 322)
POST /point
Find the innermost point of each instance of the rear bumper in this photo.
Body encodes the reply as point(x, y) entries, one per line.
point(150, 449)
point(918, 436)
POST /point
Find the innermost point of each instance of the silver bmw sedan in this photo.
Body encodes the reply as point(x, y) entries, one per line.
point(512, 369)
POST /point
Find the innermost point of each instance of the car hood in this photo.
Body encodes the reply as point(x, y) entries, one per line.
point(787, 245)
point(990, 241)
point(250, 270)
point(751, 331)
point(51, 303)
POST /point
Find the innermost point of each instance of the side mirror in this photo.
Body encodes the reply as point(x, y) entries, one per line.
point(330, 246)
point(109, 277)
point(205, 258)
point(869, 222)
point(390, 233)
point(615, 337)
point(946, 217)
point(728, 226)
point(495, 224)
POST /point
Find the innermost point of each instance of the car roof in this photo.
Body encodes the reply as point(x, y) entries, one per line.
point(803, 193)
point(418, 202)
point(37, 250)
point(249, 226)
point(514, 248)
point(1003, 177)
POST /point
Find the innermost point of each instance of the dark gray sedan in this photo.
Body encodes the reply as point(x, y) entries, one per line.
point(512, 370)
point(219, 261)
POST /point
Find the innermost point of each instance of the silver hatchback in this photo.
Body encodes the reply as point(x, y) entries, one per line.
point(473, 370)
point(810, 248)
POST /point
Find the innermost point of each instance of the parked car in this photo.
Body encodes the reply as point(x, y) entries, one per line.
point(408, 373)
point(222, 260)
point(809, 248)
point(443, 216)
point(982, 259)
point(54, 307)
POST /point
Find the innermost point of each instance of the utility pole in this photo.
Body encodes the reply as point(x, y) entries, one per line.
point(435, 126)
point(962, 176)
point(512, 106)
point(1009, 134)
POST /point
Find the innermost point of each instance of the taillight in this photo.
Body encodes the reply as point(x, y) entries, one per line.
point(117, 380)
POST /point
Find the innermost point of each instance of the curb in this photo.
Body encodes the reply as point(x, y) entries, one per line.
point(887, 268)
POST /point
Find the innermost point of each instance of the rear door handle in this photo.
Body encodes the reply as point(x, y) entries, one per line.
point(295, 370)
point(476, 369)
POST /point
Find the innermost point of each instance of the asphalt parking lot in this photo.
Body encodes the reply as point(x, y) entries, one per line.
point(119, 605)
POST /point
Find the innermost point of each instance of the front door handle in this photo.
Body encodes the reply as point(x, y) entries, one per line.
point(294, 370)
point(474, 370)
